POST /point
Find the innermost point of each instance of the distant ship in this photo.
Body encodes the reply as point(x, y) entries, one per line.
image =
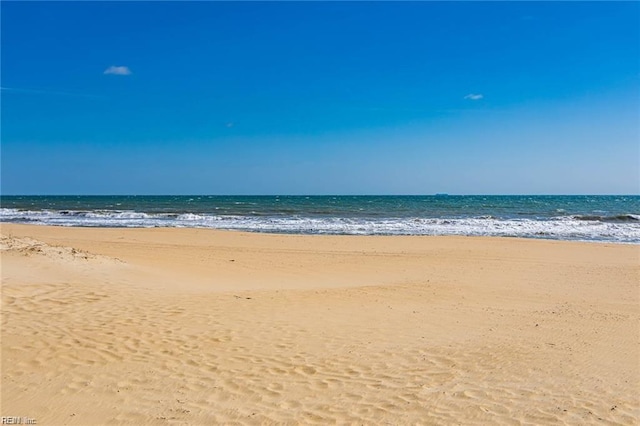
point(441, 194)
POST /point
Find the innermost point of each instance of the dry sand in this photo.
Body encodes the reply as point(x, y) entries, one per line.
point(193, 326)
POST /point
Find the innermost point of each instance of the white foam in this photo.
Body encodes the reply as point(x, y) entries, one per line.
point(118, 215)
point(562, 228)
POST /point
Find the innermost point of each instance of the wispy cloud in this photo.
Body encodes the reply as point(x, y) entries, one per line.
point(474, 96)
point(47, 92)
point(117, 70)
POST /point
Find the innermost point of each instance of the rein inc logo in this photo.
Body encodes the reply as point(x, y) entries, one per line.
point(14, 420)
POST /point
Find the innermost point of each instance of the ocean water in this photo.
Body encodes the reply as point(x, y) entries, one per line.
point(586, 218)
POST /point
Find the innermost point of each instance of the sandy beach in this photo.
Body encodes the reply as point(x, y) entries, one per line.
point(198, 327)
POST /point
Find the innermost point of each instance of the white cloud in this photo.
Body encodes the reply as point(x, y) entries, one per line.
point(474, 96)
point(117, 70)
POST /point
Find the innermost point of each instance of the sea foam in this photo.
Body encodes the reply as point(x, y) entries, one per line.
point(619, 229)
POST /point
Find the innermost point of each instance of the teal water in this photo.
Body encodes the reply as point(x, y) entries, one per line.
point(601, 218)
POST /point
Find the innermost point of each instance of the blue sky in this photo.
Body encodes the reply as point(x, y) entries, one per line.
point(320, 98)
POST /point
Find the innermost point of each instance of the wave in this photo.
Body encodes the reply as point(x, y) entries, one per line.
point(618, 229)
point(617, 218)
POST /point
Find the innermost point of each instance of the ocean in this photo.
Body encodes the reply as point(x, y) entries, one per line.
point(614, 219)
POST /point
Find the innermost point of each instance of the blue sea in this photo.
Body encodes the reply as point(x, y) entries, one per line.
point(586, 218)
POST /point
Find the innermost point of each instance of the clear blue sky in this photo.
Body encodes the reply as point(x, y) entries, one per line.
point(320, 98)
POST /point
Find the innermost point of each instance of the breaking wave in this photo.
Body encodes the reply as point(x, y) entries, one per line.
point(617, 229)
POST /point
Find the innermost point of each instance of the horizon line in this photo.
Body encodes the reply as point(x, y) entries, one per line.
point(335, 195)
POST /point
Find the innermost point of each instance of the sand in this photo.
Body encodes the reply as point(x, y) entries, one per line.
point(193, 326)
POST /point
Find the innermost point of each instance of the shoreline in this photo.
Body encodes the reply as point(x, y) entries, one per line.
point(568, 217)
point(308, 234)
point(201, 326)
